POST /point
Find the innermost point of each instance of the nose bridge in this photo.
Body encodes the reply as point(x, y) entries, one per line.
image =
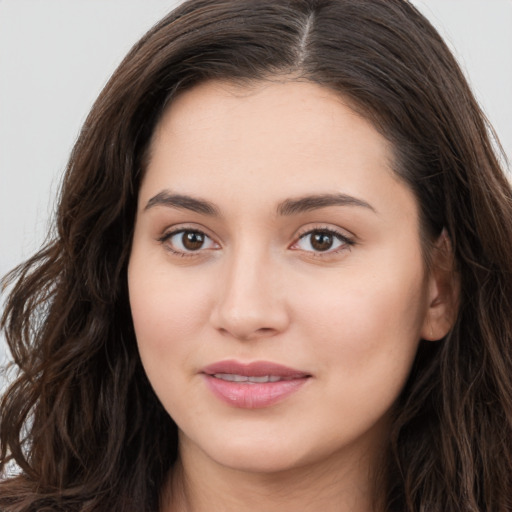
point(250, 303)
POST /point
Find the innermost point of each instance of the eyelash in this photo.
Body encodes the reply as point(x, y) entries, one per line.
point(346, 242)
point(164, 239)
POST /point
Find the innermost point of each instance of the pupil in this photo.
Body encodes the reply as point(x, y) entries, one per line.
point(322, 241)
point(192, 240)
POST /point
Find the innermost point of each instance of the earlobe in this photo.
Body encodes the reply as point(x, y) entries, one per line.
point(443, 291)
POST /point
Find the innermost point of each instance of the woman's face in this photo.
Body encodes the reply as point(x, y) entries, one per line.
point(276, 279)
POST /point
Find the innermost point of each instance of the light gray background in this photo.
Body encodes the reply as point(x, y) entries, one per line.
point(55, 56)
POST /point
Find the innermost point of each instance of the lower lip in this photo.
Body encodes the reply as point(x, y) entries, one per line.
point(253, 395)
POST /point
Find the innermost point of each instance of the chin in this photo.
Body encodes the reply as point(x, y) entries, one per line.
point(260, 461)
point(254, 453)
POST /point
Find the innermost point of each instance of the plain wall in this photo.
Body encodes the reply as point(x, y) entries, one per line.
point(56, 55)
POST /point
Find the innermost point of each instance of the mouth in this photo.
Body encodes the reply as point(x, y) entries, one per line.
point(250, 379)
point(252, 386)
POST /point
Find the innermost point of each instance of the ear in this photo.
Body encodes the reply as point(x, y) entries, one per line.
point(443, 291)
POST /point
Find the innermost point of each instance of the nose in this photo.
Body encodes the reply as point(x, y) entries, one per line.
point(250, 303)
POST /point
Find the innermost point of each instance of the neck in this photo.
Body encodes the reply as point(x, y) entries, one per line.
point(335, 485)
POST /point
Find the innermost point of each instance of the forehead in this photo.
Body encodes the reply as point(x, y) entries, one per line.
point(299, 111)
point(269, 140)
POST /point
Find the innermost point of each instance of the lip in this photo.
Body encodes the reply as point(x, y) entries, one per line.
point(249, 395)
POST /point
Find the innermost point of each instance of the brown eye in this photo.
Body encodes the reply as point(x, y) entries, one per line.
point(186, 241)
point(192, 240)
point(322, 241)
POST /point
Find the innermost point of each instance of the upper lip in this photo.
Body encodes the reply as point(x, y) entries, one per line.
point(254, 369)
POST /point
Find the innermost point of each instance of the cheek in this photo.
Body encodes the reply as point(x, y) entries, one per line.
point(364, 340)
point(169, 314)
point(166, 307)
point(366, 320)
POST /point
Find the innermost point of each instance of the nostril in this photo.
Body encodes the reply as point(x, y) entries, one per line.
point(246, 312)
point(265, 330)
point(248, 334)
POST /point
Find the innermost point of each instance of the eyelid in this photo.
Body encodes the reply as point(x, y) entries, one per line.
point(175, 230)
point(348, 240)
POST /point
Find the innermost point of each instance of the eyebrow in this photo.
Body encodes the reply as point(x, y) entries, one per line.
point(286, 208)
point(314, 202)
point(181, 201)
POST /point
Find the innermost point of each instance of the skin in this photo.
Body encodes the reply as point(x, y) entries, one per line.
point(257, 289)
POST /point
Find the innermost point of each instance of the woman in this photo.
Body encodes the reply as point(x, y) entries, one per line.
point(281, 280)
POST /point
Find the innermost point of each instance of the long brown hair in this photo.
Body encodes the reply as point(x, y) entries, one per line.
point(81, 421)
